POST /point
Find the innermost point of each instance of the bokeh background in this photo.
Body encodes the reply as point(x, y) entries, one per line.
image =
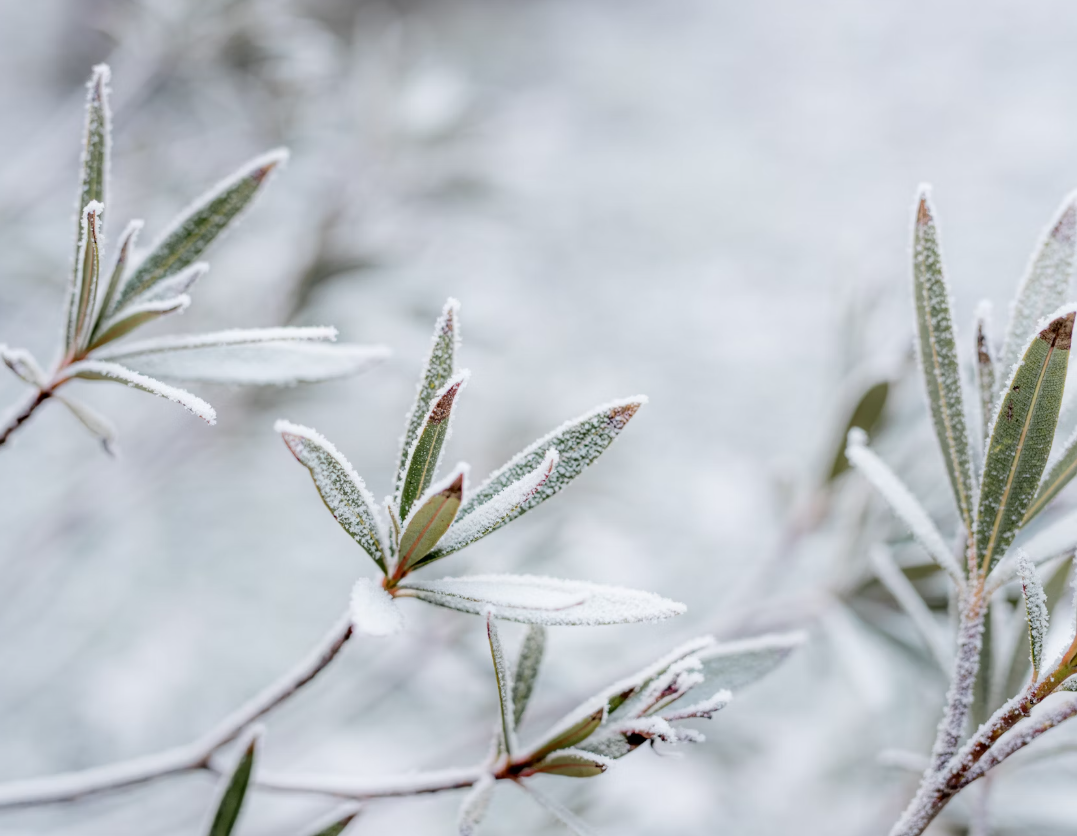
point(704, 201)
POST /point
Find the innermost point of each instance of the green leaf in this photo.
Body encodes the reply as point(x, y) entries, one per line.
point(986, 376)
point(99, 370)
point(527, 668)
point(578, 443)
point(235, 791)
point(196, 228)
point(432, 519)
point(337, 821)
point(123, 255)
point(84, 288)
point(1021, 440)
point(504, 687)
point(937, 349)
point(96, 144)
point(138, 314)
point(865, 416)
point(341, 488)
point(570, 763)
point(438, 371)
point(1045, 285)
point(426, 451)
point(1035, 610)
point(575, 730)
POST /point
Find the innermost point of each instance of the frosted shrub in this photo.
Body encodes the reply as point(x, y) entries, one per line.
point(426, 518)
point(1000, 481)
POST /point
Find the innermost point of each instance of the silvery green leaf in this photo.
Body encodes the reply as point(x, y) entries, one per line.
point(620, 692)
point(474, 806)
point(84, 286)
point(433, 514)
point(234, 791)
point(439, 369)
point(98, 425)
point(986, 373)
point(116, 278)
point(537, 600)
point(865, 416)
point(937, 350)
point(1035, 610)
point(891, 576)
point(336, 821)
point(138, 314)
point(373, 610)
point(566, 817)
point(504, 687)
point(341, 488)
point(570, 763)
point(1021, 439)
point(425, 453)
point(197, 226)
point(735, 664)
point(175, 284)
point(96, 143)
point(572, 730)
point(527, 668)
point(252, 356)
point(490, 516)
point(578, 443)
point(1045, 285)
point(1059, 475)
point(24, 365)
point(903, 503)
point(99, 370)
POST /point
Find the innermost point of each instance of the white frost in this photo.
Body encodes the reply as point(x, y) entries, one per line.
point(1035, 608)
point(373, 610)
point(95, 369)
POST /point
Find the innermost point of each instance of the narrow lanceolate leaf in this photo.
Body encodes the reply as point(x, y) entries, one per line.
point(1035, 610)
point(504, 687)
point(251, 356)
point(234, 792)
point(425, 453)
point(123, 256)
point(527, 668)
point(575, 729)
point(196, 228)
point(903, 503)
point(571, 763)
point(341, 488)
point(490, 516)
point(578, 443)
point(865, 416)
point(733, 665)
point(335, 822)
point(98, 425)
point(937, 349)
point(96, 143)
point(536, 600)
point(1060, 474)
point(566, 817)
point(434, 513)
point(99, 370)
point(1021, 440)
point(24, 365)
point(1045, 285)
point(895, 581)
point(84, 288)
point(474, 806)
point(439, 369)
point(986, 373)
point(136, 315)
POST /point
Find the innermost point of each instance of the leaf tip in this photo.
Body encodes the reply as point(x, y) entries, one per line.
point(1059, 333)
point(263, 166)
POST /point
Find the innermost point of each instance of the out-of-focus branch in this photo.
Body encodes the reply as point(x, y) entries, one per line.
point(15, 418)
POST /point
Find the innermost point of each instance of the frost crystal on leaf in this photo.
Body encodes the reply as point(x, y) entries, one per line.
point(474, 806)
point(504, 684)
point(539, 600)
point(98, 425)
point(425, 454)
point(1035, 609)
point(373, 610)
point(98, 370)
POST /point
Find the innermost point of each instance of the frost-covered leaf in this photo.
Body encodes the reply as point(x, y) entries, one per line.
point(96, 143)
point(1021, 439)
point(865, 416)
point(341, 488)
point(705, 709)
point(439, 369)
point(1035, 610)
point(623, 690)
point(474, 806)
point(891, 576)
point(373, 610)
point(98, 425)
point(572, 730)
point(537, 600)
point(197, 226)
point(425, 453)
point(335, 822)
point(1045, 285)
point(903, 503)
point(254, 356)
point(1060, 474)
point(139, 314)
point(84, 285)
point(566, 817)
point(433, 514)
point(490, 516)
point(578, 443)
point(99, 370)
point(527, 668)
point(571, 763)
point(937, 350)
point(504, 686)
point(234, 791)
point(24, 365)
point(986, 375)
point(733, 665)
point(119, 270)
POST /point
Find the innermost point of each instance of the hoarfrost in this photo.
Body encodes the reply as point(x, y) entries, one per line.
point(503, 674)
point(1035, 609)
point(475, 804)
point(373, 610)
point(705, 708)
point(98, 370)
point(99, 426)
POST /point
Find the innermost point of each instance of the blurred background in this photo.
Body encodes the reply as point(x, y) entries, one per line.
point(707, 202)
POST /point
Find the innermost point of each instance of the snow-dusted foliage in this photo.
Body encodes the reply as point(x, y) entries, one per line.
point(1035, 609)
point(373, 610)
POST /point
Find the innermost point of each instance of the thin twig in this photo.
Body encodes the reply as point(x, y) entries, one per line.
point(14, 419)
point(188, 757)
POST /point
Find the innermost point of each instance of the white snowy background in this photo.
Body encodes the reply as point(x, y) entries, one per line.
point(707, 202)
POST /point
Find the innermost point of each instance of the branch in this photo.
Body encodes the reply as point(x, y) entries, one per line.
point(14, 419)
point(190, 756)
point(1019, 739)
point(962, 685)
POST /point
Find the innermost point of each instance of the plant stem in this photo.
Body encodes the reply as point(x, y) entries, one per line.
point(14, 419)
point(188, 757)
